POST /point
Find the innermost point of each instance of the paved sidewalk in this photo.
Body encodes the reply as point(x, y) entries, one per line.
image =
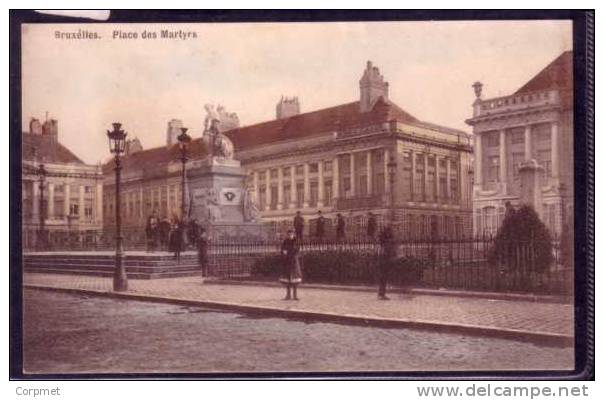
point(516, 319)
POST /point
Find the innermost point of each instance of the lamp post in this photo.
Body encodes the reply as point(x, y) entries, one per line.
point(41, 172)
point(117, 144)
point(184, 140)
point(391, 165)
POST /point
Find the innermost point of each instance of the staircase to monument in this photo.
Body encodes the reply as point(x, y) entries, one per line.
point(138, 266)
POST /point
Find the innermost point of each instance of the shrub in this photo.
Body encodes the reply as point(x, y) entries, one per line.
point(522, 243)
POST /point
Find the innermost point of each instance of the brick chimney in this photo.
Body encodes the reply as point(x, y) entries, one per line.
point(288, 107)
point(173, 131)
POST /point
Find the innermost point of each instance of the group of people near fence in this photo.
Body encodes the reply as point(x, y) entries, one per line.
point(176, 235)
point(340, 226)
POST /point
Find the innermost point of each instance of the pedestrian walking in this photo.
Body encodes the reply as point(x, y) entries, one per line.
point(299, 225)
point(387, 258)
point(151, 231)
point(292, 273)
point(340, 227)
point(202, 251)
point(371, 225)
point(320, 231)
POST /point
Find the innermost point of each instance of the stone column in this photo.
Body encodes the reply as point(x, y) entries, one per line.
point(293, 188)
point(67, 194)
point(51, 201)
point(369, 174)
point(503, 160)
point(81, 203)
point(437, 180)
point(280, 188)
point(35, 196)
point(321, 183)
point(99, 202)
point(267, 181)
point(478, 160)
point(414, 195)
point(555, 152)
point(352, 176)
point(335, 178)
point(425, 176)
point(306, 186)
point(449, 198)
point(141, 208)
point(528, 143)
point(386, 175)
point(256, 187)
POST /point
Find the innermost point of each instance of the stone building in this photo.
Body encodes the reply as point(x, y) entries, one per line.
point(523, 149)
point(335, 160)
point(72, 197)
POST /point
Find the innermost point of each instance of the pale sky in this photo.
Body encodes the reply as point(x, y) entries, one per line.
point(430, 66)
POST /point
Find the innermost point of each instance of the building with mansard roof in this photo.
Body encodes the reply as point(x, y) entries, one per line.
point(333, 160)
point(524, 149)
point(73, 190)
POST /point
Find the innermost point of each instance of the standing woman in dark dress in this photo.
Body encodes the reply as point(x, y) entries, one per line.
point(292, 273)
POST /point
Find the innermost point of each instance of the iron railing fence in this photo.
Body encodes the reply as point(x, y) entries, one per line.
point(465, 263)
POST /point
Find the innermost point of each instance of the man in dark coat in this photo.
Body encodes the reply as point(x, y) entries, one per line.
point(299, 225)
point(340, 227)
point(320, 226)
point(193, 231)
point(202, 251)
point(151, 231)
point(176, 238)
point(387, 258)
point(371, 225)
point(164, 233)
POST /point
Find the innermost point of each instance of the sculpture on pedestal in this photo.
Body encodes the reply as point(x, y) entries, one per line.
point(218, 144)
point(250, 210)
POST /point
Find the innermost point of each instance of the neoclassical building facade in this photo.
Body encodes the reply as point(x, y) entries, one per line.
point(72, 199)
point(523, 140)
point(336, 160)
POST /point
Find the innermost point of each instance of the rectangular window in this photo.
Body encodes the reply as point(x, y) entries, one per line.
point(362, 188)
point(313, 168)
point(287, 193)
point(327, 166)
point(327, 193)
point(88, 189)
point(274, 197)
point(274, 173)
point(59, 189)
point(517, 159)
point(74, 209)
point(493, 171)
point(314, 193)
point(299, 169)
point(517, 137)
point(262, 197)
point(300, 194)
point(454, 191)
point(544, 157)
point(492, 139)
point(346, 189)
point(286, 172)
point(378, 184)
point(59, 208)
point(442, 183)
point(406, 177)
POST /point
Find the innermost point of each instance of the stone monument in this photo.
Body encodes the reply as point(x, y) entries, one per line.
point(218, 195)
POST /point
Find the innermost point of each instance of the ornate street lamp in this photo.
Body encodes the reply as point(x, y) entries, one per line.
point(41, 172)
point(117, 145)
point(183, 140)
point(392, 166)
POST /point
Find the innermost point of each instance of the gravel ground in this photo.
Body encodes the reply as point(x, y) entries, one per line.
point(65, 333)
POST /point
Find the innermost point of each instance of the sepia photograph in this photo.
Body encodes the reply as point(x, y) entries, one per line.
point(284, 198)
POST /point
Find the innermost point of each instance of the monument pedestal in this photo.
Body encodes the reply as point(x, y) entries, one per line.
point(217, 196)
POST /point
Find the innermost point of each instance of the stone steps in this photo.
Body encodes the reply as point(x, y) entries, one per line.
point(137, 267)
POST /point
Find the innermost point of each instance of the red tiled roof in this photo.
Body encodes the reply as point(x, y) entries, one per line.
point(315, 122)
point(152, 159)
point(557, 75)
point(45, 148)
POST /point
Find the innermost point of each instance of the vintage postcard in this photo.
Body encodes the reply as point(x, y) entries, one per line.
point(298, 197)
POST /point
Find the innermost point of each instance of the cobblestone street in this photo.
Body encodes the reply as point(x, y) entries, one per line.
point(67, 333)
point(513, 315)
